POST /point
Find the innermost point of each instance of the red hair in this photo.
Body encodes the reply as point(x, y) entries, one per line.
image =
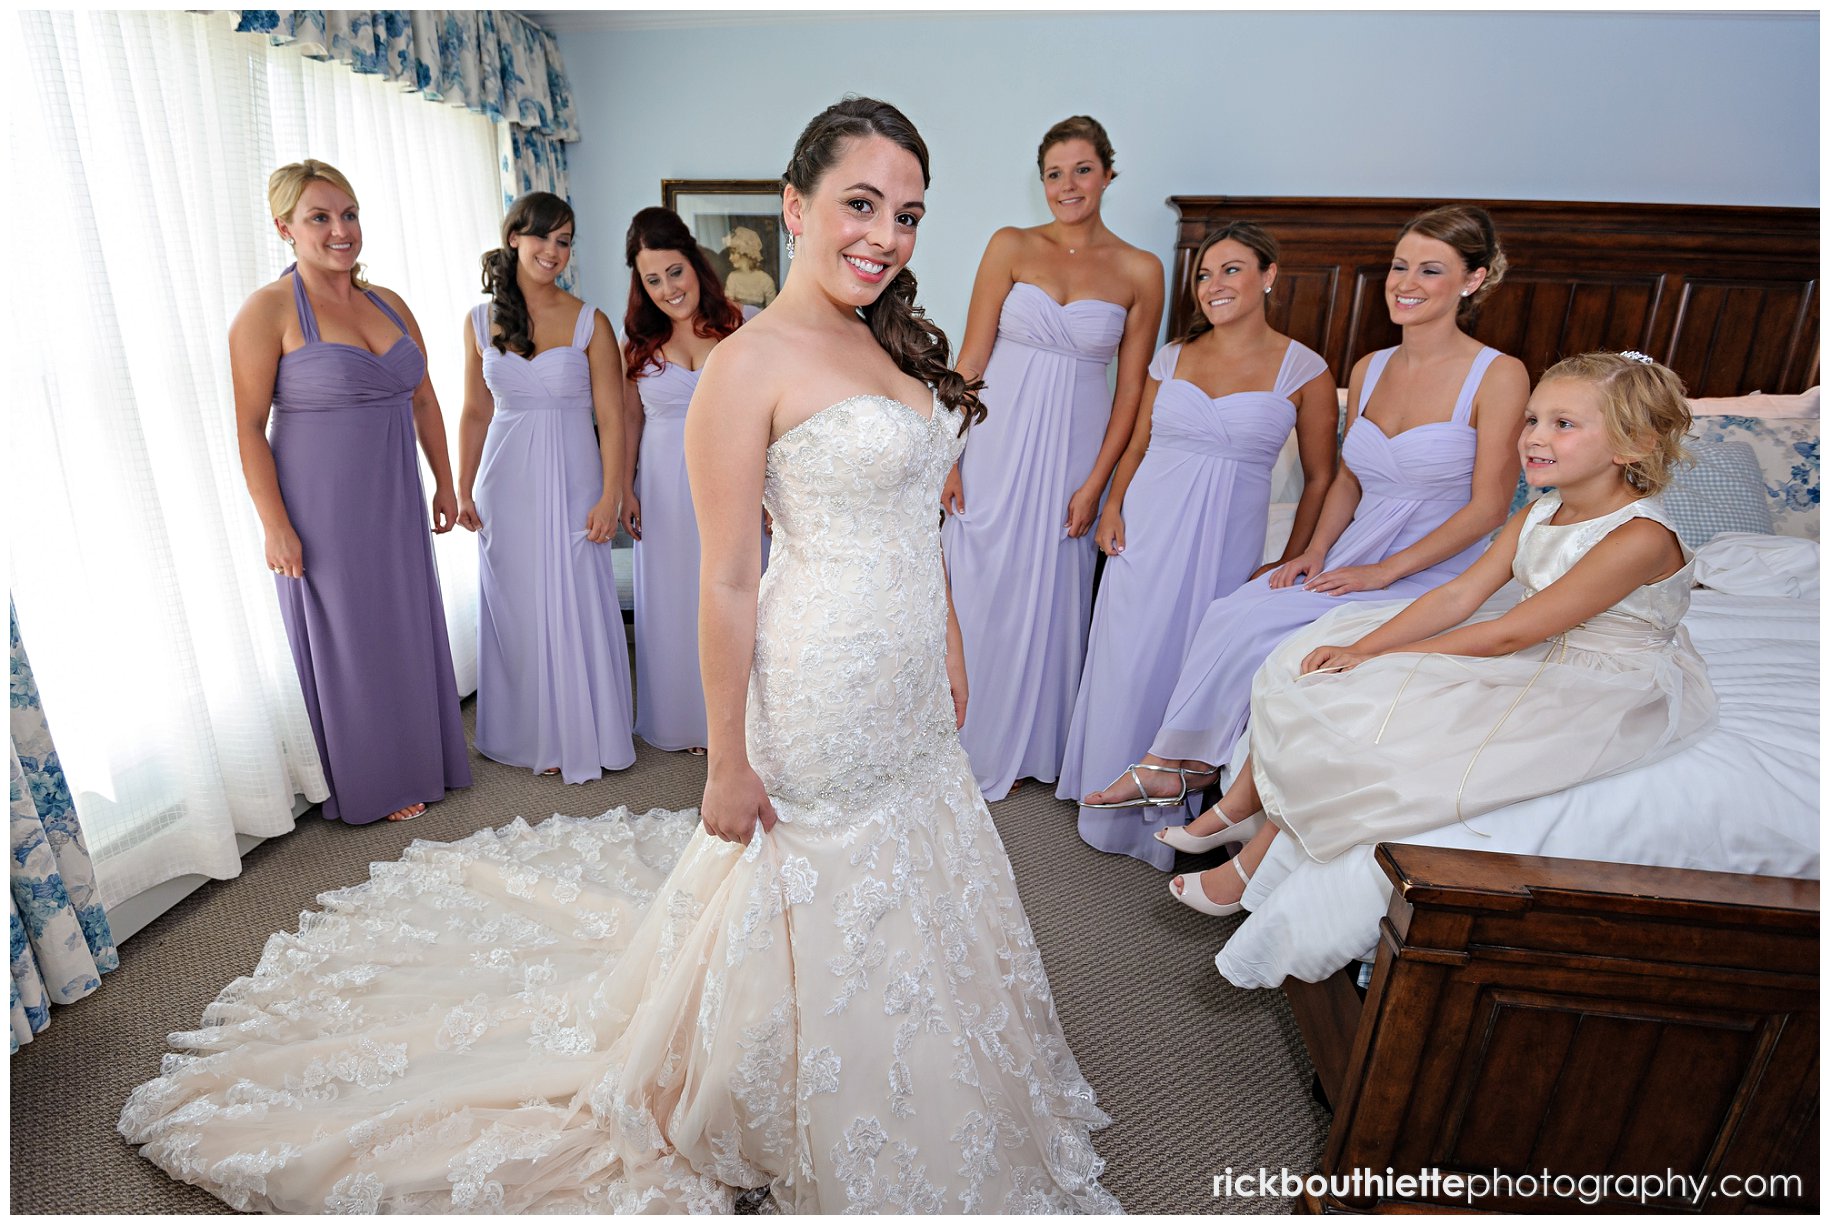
point(645, 327)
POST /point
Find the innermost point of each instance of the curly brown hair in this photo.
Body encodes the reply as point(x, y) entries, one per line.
point(913, 341)
point(538, 213)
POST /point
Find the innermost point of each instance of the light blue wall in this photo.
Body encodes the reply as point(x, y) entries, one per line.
point(1686, 108)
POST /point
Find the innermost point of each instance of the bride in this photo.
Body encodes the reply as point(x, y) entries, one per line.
point(831, 989)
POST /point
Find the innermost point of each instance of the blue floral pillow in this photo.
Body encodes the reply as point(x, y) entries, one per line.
point(1786, 452)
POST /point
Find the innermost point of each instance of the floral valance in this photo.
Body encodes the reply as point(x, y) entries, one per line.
point(488, 60)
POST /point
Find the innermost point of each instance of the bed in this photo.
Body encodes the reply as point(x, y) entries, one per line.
point(1621, 977)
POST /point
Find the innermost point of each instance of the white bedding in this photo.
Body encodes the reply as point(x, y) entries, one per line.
point(1743, 799)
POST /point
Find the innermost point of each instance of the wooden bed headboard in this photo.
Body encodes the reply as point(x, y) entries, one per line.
point(1725, 296)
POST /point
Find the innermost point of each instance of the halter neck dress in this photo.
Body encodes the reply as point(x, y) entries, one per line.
point(366, 622)
point(552, 659)
point(1195, 518)
point(1022, 587)
point(1409, 486)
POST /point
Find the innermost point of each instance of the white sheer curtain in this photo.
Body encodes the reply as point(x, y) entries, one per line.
point(142, 145)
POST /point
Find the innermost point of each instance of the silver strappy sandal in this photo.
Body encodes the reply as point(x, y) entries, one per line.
point(1146, 800)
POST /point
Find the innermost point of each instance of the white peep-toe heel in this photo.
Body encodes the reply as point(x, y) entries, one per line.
point(1195, 897)
point(1229, 833)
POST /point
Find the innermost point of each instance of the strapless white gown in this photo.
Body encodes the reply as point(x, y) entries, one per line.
point(622, 1014)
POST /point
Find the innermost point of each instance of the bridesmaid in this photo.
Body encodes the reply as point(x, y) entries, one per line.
point(1184, 523)
point(676, 316)
point(343, 368)
point(1050, 307)
point(1429, 464)
point(542, 491)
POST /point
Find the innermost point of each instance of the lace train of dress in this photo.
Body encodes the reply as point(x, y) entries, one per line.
point(624, 1014)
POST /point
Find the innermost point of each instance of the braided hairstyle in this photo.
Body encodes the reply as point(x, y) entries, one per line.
point(913, 341)
point(538, 213)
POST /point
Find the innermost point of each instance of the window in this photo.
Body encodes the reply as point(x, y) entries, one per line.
point(147, 139)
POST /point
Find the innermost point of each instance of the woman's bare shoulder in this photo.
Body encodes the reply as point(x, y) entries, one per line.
point(747, 357)
point(267, 309)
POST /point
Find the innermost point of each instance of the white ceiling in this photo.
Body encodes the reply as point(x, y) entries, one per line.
point(588, 21)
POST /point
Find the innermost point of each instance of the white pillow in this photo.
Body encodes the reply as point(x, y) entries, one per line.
point(1759, 404)
point(1738, 563)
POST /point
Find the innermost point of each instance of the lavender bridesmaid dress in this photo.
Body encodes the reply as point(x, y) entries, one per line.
point(366, 622)
point(670, 711)
point(552, 660)
point(1409, 485)
point(1021, 586)
point(1194, 531)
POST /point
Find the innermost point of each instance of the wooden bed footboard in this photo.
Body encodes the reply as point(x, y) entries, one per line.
point(1532, 1016)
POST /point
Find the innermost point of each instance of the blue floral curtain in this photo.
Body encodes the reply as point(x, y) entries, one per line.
point(532, 162)
point(61, 942)
point(488, 60)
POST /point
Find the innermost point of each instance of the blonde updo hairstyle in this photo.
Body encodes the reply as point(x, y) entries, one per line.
point(1469, 231)
point(288, 183)
point(1643, 409)
point(1077, 127)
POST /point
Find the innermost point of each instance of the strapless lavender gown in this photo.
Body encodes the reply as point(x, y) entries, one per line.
point(1194, 531)
point(1021, 586)
point(1409, 485)
point(552, 660)
point(366, 622)
point(670, 700)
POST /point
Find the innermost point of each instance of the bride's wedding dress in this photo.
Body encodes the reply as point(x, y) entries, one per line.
point(622, 1013)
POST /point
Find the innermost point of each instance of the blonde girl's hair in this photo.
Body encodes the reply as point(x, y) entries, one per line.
point(288, 183)
point(1643, 409)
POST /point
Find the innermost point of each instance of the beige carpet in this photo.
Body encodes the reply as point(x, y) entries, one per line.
point(1197, 1075)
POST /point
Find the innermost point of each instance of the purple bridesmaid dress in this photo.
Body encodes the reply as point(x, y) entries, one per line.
point(670, 710)
point(552, 660)
point(1021, 586)
point(1195, 518)
point(366, 622)
point(1409, 485)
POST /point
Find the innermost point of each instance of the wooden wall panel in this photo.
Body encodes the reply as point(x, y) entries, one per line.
point(1723, 330)
point(1728, 297)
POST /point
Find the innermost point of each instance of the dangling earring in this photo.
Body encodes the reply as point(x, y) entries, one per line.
point(790, 244)
point(290, 240)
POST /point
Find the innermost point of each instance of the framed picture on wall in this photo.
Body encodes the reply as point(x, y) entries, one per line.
point(739, 224)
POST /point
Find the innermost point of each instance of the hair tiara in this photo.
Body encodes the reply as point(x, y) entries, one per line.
point(1634, 355)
